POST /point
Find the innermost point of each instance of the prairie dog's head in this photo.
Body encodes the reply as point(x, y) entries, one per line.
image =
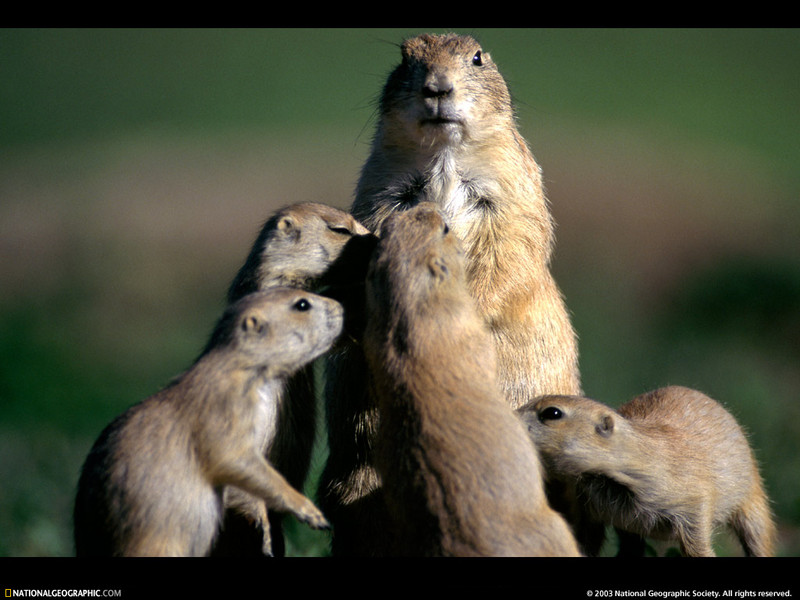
point(279, 330)
point(422, 323)
point(574, 435)
point(418, 258)
point(446, 89)
point(304, 245)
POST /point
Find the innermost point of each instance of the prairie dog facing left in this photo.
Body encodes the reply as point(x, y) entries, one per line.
point(669, 464)
point(153, 482)
point(459, 474)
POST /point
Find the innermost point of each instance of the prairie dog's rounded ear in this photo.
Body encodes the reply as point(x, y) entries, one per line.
point(605, 427)
point(285, 223)
point(253, 324)
point(438, 267)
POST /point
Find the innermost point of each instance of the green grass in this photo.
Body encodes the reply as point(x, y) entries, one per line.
point(136, 165)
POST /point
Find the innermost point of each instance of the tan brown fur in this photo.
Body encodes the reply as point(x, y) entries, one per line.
point(447, 134)
point(479, 171)
point(459, 474)
point(307, 245)
point(315, 247)
point(669, 464)
point(152, 483)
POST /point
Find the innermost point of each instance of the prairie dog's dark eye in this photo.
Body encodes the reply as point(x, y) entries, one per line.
point(551, 413)
point(445, 229)
point(302, 305)
point(477, 59)
point(339, 229)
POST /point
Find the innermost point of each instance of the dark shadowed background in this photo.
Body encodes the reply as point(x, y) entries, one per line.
point(136, 167)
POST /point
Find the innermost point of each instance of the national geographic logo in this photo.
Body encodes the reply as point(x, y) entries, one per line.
point(26, 593)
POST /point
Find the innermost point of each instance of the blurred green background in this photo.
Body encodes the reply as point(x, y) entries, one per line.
point(136, 167)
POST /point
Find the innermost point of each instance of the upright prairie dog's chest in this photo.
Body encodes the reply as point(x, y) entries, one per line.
point(461, 194)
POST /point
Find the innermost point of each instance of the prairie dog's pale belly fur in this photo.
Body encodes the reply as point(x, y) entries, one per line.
point(270, 396)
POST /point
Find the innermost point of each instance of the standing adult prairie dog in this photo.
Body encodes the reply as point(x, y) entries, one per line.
point(314, 247)
point(459, 474)
point(447, 134)
point(669, 464)
point(153, 482)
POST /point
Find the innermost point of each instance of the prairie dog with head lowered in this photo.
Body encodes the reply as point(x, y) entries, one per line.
point(459, 474)
point(152, 485)
point(309, 246)
point(447, 134)
point(669, 464)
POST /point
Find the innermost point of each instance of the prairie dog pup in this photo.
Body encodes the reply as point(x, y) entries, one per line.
point(669, 464)
point(447, 134)
point(152, 484)
point(318, 248)
point(460, 476)
point(307, 245)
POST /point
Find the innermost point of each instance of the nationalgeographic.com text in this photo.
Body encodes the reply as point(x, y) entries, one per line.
point(63, 593)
